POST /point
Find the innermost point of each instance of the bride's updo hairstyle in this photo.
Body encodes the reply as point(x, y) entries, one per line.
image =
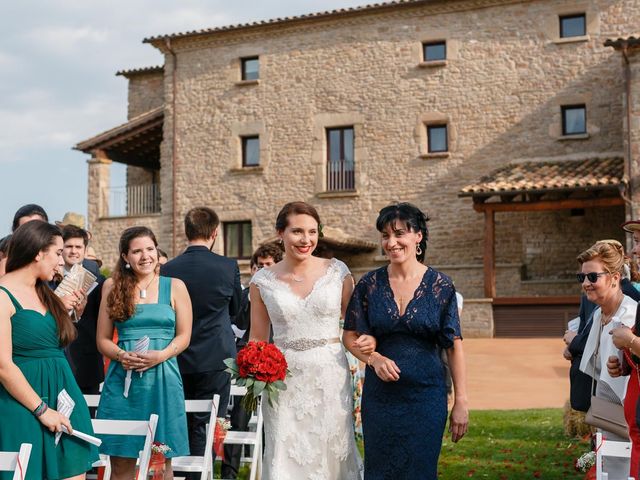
point(609, 252)
point(411, 216)
point(296, 208)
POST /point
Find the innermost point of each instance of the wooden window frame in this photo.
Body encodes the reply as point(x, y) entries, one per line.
point(568, 17)
point(446, 137)
point(564, 109)
point(243, 140)
point(242, 255)
point(243, 69)
point(349, 181)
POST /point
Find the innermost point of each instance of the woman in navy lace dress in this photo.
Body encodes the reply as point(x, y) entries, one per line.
point(411, 311)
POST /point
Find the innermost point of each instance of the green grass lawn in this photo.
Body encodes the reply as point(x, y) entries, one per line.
point(510, 445)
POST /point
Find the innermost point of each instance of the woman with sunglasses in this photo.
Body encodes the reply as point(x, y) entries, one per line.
point(602, 267)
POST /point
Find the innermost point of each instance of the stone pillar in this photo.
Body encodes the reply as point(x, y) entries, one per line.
point(632, 129)
point(98, 185)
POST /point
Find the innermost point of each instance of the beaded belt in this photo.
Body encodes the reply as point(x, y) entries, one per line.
point(302, 344)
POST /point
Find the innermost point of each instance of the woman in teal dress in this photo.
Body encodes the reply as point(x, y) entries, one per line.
point(138, 303)
point(34, 329)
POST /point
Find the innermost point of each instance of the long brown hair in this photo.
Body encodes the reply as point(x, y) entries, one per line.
point(27, 241)
point(121, 300)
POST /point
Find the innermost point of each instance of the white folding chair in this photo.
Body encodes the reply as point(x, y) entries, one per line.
point(253, 438)
point(195, 463)
point(92, 400)
point(142, 428)
point(610, 448)
point(16, 462)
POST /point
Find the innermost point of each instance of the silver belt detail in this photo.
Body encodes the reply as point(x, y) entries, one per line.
point(302, 344)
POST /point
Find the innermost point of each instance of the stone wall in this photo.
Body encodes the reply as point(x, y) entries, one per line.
point(146, 92)
point(476, 320)
point(500, 90)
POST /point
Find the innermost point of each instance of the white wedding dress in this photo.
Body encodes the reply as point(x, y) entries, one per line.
point(309, 432)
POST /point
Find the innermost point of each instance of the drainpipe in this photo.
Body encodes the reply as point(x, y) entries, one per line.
point(174, 149)
point(627, 81)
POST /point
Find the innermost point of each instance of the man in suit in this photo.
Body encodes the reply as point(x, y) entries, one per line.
point(264, 256)
point(86, 360)
point(213, 282)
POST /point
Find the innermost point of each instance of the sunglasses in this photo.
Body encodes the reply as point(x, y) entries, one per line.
point(591, 276)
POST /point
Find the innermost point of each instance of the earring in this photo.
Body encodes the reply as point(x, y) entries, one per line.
point(418, 249)
point(127, 266)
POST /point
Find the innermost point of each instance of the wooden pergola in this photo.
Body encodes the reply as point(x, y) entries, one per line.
point(542, 186)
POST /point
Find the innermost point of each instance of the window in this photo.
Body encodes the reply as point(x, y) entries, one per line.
point(574, 120)
point(250, 68)
point(573, 26)
point(437, 140)
point(251, 151)
point(237, 239)
point(340, 159)
point(434, 51)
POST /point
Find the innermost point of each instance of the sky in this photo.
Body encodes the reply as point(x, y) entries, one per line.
point(58, 61)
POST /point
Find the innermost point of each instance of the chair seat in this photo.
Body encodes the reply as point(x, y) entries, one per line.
point(236, 438)
point(187, 463)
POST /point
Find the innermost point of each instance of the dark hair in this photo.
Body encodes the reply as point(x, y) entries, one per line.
point(295, 208)
point(4, 244)
point(71, 231)
point(27, 211)
point(162, 253)
point(120, 302)
point(411, 216)
point(264, 251)
point(200, 223)
point(27, 241)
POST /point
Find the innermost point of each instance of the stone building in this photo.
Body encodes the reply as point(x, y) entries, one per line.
point(505, 120)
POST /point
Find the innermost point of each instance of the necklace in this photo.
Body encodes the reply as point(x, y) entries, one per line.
point(296, 279)
point(143, 291)
point(605, 319)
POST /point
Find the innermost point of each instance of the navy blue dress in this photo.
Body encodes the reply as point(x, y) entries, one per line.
point(403, 422)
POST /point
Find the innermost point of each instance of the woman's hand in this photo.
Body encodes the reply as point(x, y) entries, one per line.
point(149, 360)
point(458, 420)
point(613, 366)
point(568, 337)
point(54, 421)
point(130, 360)
point(384, 367)
point(621, 336)
point(567, 354)
point(366, 343)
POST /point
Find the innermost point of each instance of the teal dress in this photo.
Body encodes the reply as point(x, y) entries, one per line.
point(38, 355)
point(159, 389)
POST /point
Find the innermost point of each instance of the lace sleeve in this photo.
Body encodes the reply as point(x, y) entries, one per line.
point(342, 269)
point(356, 317)
point(259, 278)
point(449, 322)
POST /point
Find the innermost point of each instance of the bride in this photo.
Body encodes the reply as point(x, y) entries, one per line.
point(309, 432)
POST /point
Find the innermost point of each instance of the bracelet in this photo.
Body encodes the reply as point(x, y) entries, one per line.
point(120, 352)
point(175, 348)
point(369, 360)
point(40, 409)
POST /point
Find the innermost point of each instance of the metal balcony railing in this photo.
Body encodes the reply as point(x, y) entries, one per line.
point(131, 201)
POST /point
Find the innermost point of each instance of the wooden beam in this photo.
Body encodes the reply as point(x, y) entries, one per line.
point(560, 300)
point(549, 205)
point(489, 258)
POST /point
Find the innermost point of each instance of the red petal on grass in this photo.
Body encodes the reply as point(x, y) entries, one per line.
point(537, 474)
point(471, 472)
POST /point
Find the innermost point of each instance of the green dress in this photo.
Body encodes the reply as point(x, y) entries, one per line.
point(37, 353)
point(159, 390)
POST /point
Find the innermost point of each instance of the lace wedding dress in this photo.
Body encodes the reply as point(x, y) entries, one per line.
point(309, 432)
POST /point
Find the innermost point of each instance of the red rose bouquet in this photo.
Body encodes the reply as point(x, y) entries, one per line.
point(260, 367)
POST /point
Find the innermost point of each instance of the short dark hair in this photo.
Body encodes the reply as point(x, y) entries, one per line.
point(72, 231)
point(295, 208)
point(27, 211)
point(162, 253)
point(264, 251)
point(411, 216)
point(4, 244)
point(200, 223)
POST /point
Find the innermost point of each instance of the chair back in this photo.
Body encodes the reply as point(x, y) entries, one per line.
point(16, 462)
point(609, 448)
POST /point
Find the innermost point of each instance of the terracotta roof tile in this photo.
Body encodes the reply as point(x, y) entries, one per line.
point(549, 176)
point(138, 71)
point(259, 23)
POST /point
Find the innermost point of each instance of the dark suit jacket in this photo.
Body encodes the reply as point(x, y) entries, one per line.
point(213, 282)
point(86, 361)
